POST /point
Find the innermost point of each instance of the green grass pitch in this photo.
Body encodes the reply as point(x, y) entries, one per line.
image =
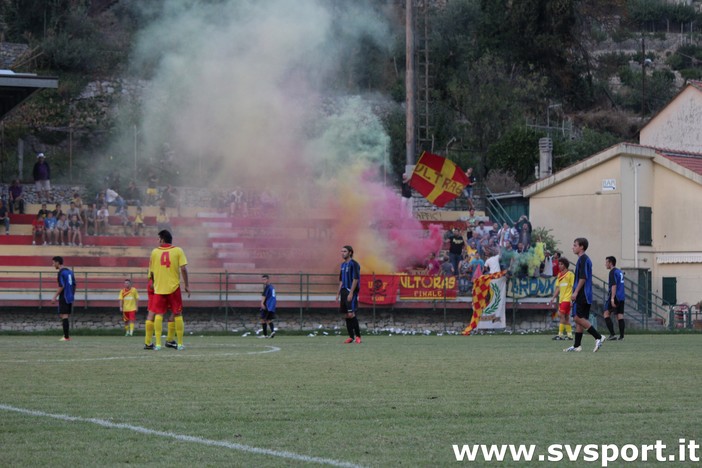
point(303, 401)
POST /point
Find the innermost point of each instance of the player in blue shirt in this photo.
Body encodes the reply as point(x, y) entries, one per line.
point(615, 299)
point(582, 297)
point(268, 303)
point(65, 294)
point(349, 287)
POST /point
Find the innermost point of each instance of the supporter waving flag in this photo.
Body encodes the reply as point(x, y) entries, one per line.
point(438, 179)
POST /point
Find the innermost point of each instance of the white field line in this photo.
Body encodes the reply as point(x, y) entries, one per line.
point(182, 438)
point(147, 354)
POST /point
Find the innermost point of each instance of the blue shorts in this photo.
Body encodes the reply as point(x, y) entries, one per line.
point(346, 306)
point(267, 315)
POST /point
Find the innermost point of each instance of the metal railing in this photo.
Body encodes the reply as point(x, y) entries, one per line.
point(495, 210)
point(640, 306)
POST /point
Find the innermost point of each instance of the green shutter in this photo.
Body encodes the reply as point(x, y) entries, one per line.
point(645, 227)
point(670, 291)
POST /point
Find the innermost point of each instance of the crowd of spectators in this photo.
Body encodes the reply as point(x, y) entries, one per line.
point(475, 247)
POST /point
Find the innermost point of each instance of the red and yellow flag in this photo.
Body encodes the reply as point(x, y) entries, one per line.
point(438, 179)
point(481, 297)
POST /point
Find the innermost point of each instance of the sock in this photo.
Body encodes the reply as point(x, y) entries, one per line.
point(265, 328)
point(561, 328)
point(66, 325)
point(149, 332)
point(578, 339)
point(158, 329)
point(569, 330)
point(131, 328)
point(170, 334)
point(349, 327)
point(179, 329)
point(356, 327)
point(621, 328)
point(272, 327)
point(610, 325)
point(594, 333)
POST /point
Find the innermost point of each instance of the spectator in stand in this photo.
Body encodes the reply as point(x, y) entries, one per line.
point(464, 275)
point(82, 207)
point(114, 199)
point(5, 218)
point(72, 210)
point(42, 177)
point(163, 222)
point(171, 198)
point(16, 197)
point(132, 195)
point(151, 190)
point(555, 259)
point(62, 230)
point(57, 211)
point(468, 191)
point(50, 228)
point(433, 265)
point(492, 264)
point(126, 223)
point(102, 221)
point(514, 236)
point(43, 211)
point(138, 222)
point(503, 236)
point(482, 230)
point(75, 226)
point(100, 199)
point(472, 219)
point(91, 228)
point(521, 229)
point(38, 230)
point(525, 237)
point(447, 267)
point(456, 245)
point(237, 203)
point(477, 265)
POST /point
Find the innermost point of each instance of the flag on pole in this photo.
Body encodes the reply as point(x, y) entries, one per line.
point(438, 179)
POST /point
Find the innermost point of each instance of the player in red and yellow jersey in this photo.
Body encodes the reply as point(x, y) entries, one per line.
point(166, 267)
point(128, 305)
point(564, 290)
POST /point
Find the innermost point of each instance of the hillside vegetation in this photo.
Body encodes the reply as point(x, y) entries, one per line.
point(503, 74)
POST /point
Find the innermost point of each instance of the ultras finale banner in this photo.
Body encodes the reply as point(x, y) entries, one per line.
point(428, 288)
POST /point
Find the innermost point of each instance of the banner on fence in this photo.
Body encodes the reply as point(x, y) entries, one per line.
point(531, 287)
point(428, 288)
point(378, 289)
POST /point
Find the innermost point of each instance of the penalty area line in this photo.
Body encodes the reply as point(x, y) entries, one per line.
point(182, 437)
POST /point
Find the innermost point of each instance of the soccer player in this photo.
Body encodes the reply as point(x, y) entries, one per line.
point(615, 299)
point(128, 305)
point(166, 266)
point(582, 297)
point(564, 291)
point(349, 287)
point(268, 303)
point(64, 294)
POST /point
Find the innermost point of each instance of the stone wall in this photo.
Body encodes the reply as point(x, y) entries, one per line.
point(242, 321)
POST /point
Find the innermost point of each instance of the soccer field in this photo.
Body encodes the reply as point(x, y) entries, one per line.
point(300, 401)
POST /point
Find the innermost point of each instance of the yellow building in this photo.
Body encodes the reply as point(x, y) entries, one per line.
point(640, 203)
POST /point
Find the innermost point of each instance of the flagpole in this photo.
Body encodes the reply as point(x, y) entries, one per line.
point(410, 142)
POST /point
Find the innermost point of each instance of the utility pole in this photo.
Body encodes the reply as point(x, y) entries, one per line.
point(410, 142)
point(643, 76)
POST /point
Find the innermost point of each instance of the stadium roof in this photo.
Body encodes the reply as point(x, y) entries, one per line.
point(15, 88)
